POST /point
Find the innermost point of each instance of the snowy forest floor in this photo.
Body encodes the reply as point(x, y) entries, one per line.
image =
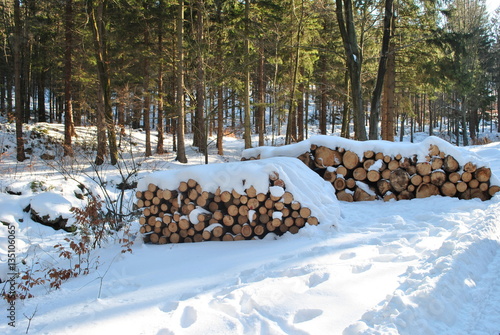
point(421, 266)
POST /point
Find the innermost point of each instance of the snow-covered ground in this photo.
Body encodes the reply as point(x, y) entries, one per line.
point(421, 266)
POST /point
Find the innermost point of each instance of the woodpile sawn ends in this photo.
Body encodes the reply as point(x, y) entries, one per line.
point(233, 201)
point(370, 170)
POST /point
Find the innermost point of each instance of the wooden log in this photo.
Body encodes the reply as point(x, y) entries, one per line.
point(368, 163)
point(434, 150)
point(241, 219)
point(393, 165)
point(379, 155)
point(461, 186)
point(236, 229)
point(261, 197)
point(287, 198)
point(324, 157)
point(342, 171)
point(312, 220)
point(305, 212)
point(438, 177)
point(246, 231)
point(193, 194)
point(436, 163)
point(493, 190)
point(168, 194)
point(484, 187)
point(262, 210)
point(295, 205)
point(192, 183)
point(383, 186)
point(350, 183)
point(405, 163)
point(466, 176)
point(253, 203)
point(416, 179)
point(424, 168)
point(369, 154)
point(361, 195)
point(450, 164)
point(359, 173)
point(228, 220)
point(233, 210)
point(228, 237)
point(425, 190)
point(406, 195)
point(154, 238)
point(470, 167)
point(344, 196)
point(264, 218)
point(174, 238)
point(279, 205)
point(390, 196)
point(350, 160)
point(448, 189)
point(152, 188)
point(454, 177)
point(399, 180)
point(474, 183)
point(385, 174)
point(329, 175)
point(373, 176)
point(482, 174)
point(472, 193)
point(183, 187)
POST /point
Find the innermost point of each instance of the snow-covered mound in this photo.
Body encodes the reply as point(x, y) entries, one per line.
point(405, 149)
point(367, 170)
point(268, 178)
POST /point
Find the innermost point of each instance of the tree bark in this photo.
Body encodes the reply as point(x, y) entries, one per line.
point(96, 10)
point(388, 113)
point(181, 147)
point(382, 66)
point(246, 97)
point(17, 82)
point(354, 62)
point(69, 127)
point(159, 126)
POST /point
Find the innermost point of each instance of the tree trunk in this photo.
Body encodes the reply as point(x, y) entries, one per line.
point(246, 98)
point(261, 109)
point(17, 82)
point(41, 97)
point(181, 146)
point(300, 112)
point(354, 62)
point(146, 108)
point(69, 128)
point(199, 139)
point(388, 109)
point(96, 10)
point(159, 126)
point(382, 66)
point(291, 130)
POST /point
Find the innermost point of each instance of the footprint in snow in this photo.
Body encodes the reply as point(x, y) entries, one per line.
point(304, 315)
point(189, 316)
point(169, 306)
point(316, 279)
point(347, 255)
point(361, 268)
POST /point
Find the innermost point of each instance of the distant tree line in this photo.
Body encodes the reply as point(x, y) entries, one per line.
point(208, 67)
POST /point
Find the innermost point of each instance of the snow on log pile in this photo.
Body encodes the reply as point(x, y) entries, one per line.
point(233, 201)
point(372, 170)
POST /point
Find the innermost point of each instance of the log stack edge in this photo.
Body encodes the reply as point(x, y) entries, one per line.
point(190, 214)
point(376, 175)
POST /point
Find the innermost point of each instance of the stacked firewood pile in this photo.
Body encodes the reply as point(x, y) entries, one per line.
point(190, 214)
point(376, 175)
